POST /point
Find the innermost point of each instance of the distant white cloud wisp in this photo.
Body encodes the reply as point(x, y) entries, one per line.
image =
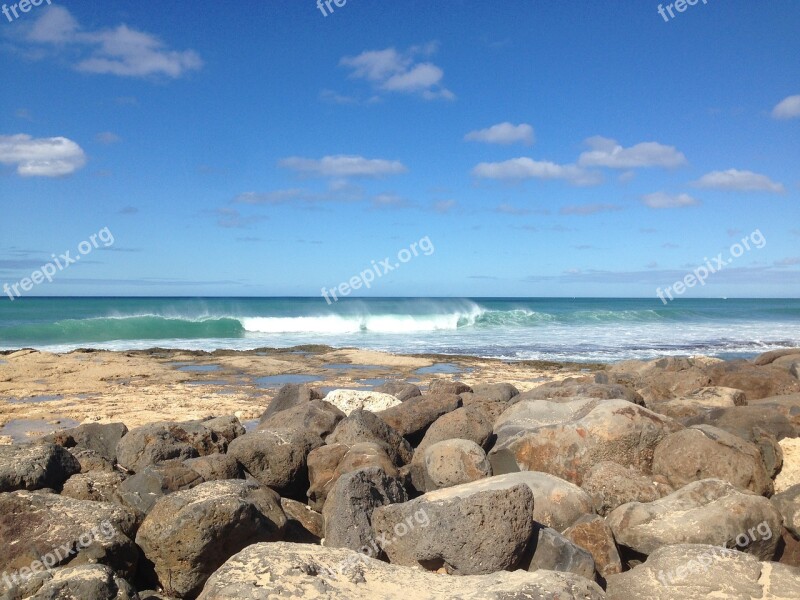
point(788, 108)
point(606, 152)
point(392, 71)
point(527, 168)
point(503, 133)
point(664, 200)
point(739, 181)
point(343, 166)
point(41, 157)
point(121, 51)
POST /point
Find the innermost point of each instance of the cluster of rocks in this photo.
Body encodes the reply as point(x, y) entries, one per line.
point(647, 480)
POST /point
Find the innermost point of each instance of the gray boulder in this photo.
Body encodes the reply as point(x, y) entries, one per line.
point(399, 389)
point(415, 415)
point(453, 462)
point(315, 416)
point(142, 490)
point(215, 467)
point(611, 485)
point(158, 442)
point(97, 486)
point(35, 466)
point(190, 534)
point(350, 505)
point(788, 504)
point(284, 570)
point(289, 396)
point(552, 551)
point(703, 512)
point(471, 529)
point(89, 582)
point(99, 437)
point(365, 426)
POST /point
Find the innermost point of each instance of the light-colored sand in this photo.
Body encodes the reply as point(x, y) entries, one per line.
point(147, 386)
point(790, 473)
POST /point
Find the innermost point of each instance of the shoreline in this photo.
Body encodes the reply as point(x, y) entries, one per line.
point(42, 392)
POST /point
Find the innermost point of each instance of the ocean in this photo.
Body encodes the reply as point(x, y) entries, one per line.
point(557, 329)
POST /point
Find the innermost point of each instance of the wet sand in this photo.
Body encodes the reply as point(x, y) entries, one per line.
point(41, 392)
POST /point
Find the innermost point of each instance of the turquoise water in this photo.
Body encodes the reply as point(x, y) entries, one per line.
point(584, 329)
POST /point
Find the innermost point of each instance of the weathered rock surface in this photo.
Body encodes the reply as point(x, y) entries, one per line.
point(695, 571)
point(350, 506)
point(788, 504)
point(315, 416)
point(35, 466)
point(303, 524)
point(290, 396)
point(277, 458)
point(142, 490)
point(611, 485)
point(399, 389)
point(453, 462)
point(443, 386)
point(327, 463)
point(573, 389)
point(365, 426)
point(284, 570)
point(699, 402)
point(215, 467)
point(593, 534)
point(413, 417)
point(99, 437)
point(438, 529)
point(97, 486)
point(710, 511)
point(554, 552)
point(349, 400)
point(567, 440)
point(706, 452)
point(85, 582)
point(158, 442)
point(40, 524)
point(189, 534)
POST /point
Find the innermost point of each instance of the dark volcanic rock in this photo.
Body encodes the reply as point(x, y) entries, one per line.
point(35, 466)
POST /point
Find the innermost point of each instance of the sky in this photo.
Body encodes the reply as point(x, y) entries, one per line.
point(263, 148)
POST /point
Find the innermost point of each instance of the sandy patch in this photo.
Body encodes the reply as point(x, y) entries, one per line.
point(790, 474)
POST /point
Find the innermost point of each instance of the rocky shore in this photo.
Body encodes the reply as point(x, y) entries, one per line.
point(669, 479)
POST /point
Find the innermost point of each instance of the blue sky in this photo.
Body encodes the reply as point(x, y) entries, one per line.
point(261, 148)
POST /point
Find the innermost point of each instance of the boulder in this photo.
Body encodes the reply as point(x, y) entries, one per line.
point(289, 396)
point(55, 530)
point(688, 571)
point(284, 570)
point(593, 534)
point(699, 402)
point(349, 400)
point(327, 463)
point(158, 442)
point(399, 389)
point(788, 406)
point(189, 534)
point(742, 420)
point(35, 466)
point(215, 467)
point(495, 392)
point(227, 427)
point(350, 505)
point(303, 524)
point(771, 356)
point(97, 486)
point(443, 386)
point(467, 423)
point(413, 417)
point(99, 437)
point(611, 485)
point(710, 511)
point(554, 552)
point(365, 426)
point(574, 389)
point(567, 440)
point(90, 582)
point(92, 461)
point(706, 452)
point(142, 490)
point(471, 529)
point(277, 458)
point(788, 504)
point(316, 416)
point(453, 462)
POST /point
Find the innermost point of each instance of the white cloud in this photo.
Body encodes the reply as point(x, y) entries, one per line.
point(664, 200)
point(788, 108)
point(739, 181)
point(589, 209)
point(527, 168)
point(121, 51)
point(41, 157)
point(503, 133)
point(343, 166)
point(392, 71)
point(606, 152)
point(389, 201)
point(444, 206)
